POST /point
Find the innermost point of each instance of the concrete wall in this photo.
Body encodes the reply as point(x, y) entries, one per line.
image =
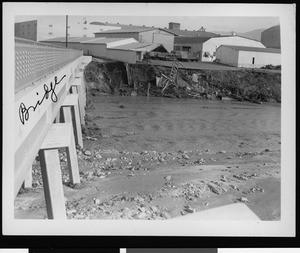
point(271, 37)
point(260, 59)
point(228, 56)
point(26, 30)
point(212, 44)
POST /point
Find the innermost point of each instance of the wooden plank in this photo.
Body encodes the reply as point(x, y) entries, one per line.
point(58, 136)
point(71, 114)
point(81, 97)
point(71, 99)
point(52, 181)
point(72, 161)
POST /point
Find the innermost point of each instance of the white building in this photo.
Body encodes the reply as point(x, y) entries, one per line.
point(248, 57)
point(126, 50)
point(207, 47)
point(143, 35)
point(48, 27)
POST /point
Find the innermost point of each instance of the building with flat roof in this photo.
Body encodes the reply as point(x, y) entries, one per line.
point(248, 57)
point(142, 34)
point(206, 47)
point(126, 50)
point(49, 27)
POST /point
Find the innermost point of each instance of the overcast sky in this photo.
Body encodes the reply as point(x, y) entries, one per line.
point(237, 24)
point(213, 17)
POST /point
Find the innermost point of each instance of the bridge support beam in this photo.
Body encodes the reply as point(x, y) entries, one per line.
point(78, 87)
point(71, 114)
point(59, 136)
point(28, 180)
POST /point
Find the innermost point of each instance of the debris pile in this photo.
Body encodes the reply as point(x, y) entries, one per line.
point(254, 85)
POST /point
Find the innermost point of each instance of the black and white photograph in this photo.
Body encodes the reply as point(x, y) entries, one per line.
point(145, 114)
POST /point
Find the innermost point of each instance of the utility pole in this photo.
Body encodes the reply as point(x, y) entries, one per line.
point(66, 30)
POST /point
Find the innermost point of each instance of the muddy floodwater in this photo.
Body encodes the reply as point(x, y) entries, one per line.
point(166, 124)
point(160, 158)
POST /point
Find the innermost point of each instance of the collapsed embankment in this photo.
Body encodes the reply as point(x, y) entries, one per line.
point(244, 84)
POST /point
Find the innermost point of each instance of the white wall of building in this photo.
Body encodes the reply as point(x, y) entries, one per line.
point(122, 55)
point(121, 42)
point(166, 39)
point(260, 59)
point(212, 44)
point(228, 56)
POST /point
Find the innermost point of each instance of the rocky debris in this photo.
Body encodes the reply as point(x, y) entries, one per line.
point(189, 209)
point(216, 188)
point(244, 200)
point(88, 152)
point(243, 84)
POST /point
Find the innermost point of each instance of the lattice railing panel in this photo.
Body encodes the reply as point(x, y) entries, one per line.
point(34, 60)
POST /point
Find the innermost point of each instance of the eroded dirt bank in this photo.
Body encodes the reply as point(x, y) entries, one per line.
point(157, 158)
point(254, 85)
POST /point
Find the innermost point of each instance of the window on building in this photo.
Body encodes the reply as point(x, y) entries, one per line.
point(177, 48)
point(188, 49)
point(84, 28)
point(253, 60)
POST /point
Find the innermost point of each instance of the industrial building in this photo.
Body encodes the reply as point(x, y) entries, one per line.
point(271, 37)
point(206, 47)
point(174, 28)
point(142, 34)
point(248, 57)
point(52, 27)
point(127, 50)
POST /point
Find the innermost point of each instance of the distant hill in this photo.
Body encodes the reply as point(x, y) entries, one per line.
point(255, 34)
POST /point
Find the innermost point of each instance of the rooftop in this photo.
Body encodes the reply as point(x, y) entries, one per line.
point(60, 39)
point(103, 40)
point(178, 32)
point(187, 39)
point(129, 30)
point(137, 46)
point(253, 49)
point(83, 39)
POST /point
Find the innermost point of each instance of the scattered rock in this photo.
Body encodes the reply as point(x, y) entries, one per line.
point(244, 200)
point(189, 209)
point(223, 152)
point(185, 156)
point(97, 201)
point(71, 211)
point(168, 178)
point(88, 152)
point(215, 188)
